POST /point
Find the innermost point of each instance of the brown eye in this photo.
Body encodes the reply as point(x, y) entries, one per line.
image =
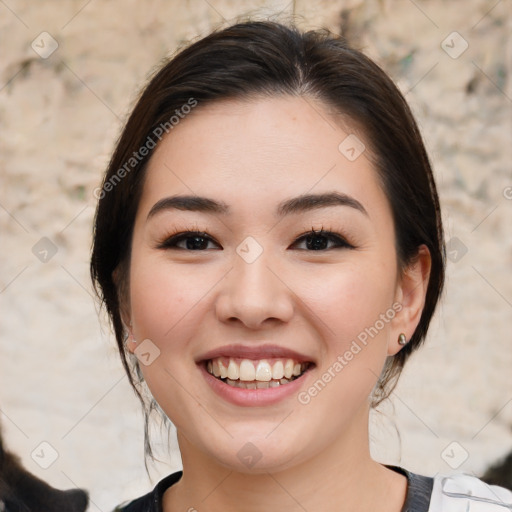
point(189, 240)
point(319, 240)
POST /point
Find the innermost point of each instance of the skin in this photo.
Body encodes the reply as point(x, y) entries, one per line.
point(252, 155)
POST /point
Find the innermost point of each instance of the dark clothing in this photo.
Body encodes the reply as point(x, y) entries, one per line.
point(419, 490)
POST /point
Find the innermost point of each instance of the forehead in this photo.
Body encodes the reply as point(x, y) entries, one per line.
point(255, 152)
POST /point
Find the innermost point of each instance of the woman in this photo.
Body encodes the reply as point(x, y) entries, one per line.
point(268, 245)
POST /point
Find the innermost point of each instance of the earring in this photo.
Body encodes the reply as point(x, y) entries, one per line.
point(402, 340)
point(128, 335)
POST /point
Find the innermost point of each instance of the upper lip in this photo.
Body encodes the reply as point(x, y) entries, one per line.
point(254, 352)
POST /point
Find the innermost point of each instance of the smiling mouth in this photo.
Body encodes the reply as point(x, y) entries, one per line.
point(256, 374)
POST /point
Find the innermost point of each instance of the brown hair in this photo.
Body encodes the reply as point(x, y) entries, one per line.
point(269, 59)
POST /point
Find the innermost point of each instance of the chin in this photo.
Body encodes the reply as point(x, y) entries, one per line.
point(259, 456)
point(262, 466)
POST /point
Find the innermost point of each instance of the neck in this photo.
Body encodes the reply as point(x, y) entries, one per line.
point(342, 478)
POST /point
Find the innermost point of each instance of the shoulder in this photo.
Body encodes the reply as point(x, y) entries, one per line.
point(466, 493)
point(151, 502)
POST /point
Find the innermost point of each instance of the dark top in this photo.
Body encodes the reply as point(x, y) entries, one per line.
point(419, 490)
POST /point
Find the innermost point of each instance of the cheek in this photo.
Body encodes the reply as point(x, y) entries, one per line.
point(165, 297)
point(350, 299)
point(166, 302)
point(353, 312)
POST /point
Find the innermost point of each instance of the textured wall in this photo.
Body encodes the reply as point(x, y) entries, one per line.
point(61, 381)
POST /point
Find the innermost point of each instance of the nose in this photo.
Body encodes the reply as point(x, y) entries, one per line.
point(254, 294)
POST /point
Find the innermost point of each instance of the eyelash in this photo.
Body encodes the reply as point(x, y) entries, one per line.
point(170, 241)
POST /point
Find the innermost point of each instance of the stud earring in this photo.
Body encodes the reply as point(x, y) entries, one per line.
point(402, 340)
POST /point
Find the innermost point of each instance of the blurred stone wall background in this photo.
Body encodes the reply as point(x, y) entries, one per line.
point(61, 109)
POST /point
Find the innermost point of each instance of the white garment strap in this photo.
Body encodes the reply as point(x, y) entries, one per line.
point(466, 493)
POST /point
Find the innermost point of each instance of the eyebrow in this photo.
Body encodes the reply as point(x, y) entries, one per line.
point(294, 205)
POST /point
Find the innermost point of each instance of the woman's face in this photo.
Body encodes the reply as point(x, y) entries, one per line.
point(257, 295)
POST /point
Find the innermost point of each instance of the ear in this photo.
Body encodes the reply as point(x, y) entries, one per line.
point(410, 294)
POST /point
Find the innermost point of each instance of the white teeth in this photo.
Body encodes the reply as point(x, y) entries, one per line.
point(263, 371)
point(256, 385)
point(233, 372)
point(247, 371)
point(223, 370)
point(251, 374)
point(288, 368)
point(278, 370)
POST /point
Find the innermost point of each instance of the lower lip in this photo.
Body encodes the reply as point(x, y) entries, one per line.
point(253, 397)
